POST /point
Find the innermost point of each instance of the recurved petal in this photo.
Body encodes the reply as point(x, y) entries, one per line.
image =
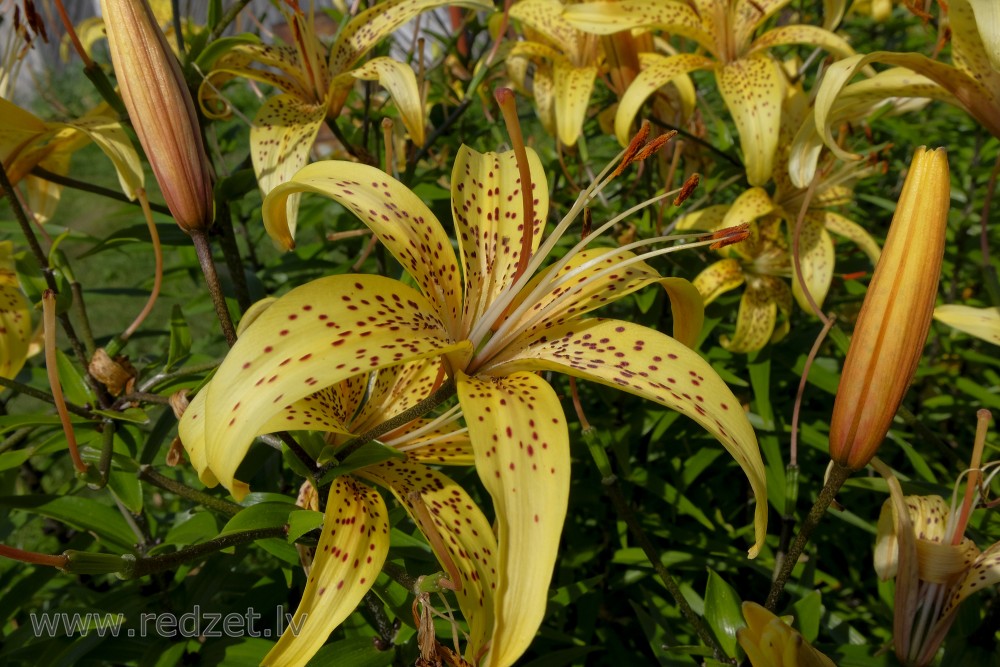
point(975, 26)
point(983, 574)
point(752, 89)
point(573, 86)
point(281, 137)
point(191, 430)
point(802, 34)
point(437, 444)
point(849, 229)
point(110, 137)
point(816, 257)
point(373, 25)
point(18, 129)
point(329, 409)
point(706, 219)
point(609, 16)
point(657, 73)
point(313, 337)
point(521, 443)
point(545, 17)
point(439, 505)
point(979, 322)
point(719, 278)
point(398, 217)
point(758, 314)
point(652, 365)
point(486, 202)
point(350, 554)
point(397, 78)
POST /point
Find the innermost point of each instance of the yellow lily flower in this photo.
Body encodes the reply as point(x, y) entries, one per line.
point(750, 81)
point(27, 142)
point(566, 63)
point(498, 321)
point(15, 316)
point(771, 642)
point(355, 538)
point(982, 323)
point(972, 82)
point(921, 544)
point(315, 81)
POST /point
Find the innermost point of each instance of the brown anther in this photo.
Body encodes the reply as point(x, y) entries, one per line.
point(730, 235)
point(655, 145)
point(628, 157)
point(687, 189)
point(34, 20)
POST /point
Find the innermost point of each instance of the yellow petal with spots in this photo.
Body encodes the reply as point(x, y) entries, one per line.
point(15, 316)
point(350, 554)
point(802, 34)
point(446, 445)
point(328, 410)
point(849, 229)
point(654, 75)
point(521, 442)
point(979, 322)
point(398, 217)
point(465, 533)
point(757, 321)
point(983, 574)
point(706, 219)
point(719, 278)
point(573, 86)
point(816, 257)
point(18, 129)
point(986, 15)
point(545, 17)
point(109, 135)
point(654, 366)
point(401, 83)
point(486, 202)
point(373, 25)
point(313, 337)
point(609, 17)
point(748, 15)
point(753, 89)
point(281, 137)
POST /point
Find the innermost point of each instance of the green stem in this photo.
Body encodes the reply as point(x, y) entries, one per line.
point(188, 370)
point(226, 19)
point(44, 396)
point(231, 253)
point(107, 449)
point(141, 567)
point(783, 568)
point(89, 345)
point(204, 251)
point(148, 474)
point(68, 182)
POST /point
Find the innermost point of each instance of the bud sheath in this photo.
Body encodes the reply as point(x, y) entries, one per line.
point(896, 314)
point(161, 109)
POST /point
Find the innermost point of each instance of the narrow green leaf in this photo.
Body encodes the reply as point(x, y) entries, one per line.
point(301, 522)
point(80, 513)
point(134, 415)
point(180, 338)
point(808, 612)
point(722, 612)
point(198, 527)
point(261, 515)
point(127, 489)
point(367, 455)
point(74, 387)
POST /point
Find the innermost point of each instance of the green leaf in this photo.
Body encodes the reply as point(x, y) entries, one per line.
point(74, 387)
point(180, 338)
point(198, 527)
point(722, 612)
point(127, 489)
point(80, 513)
point(352, 652)
point(301, 522)
point(261, 515)
point(367, 455)
point(808, 612)
point(134, 415)
point(12, 422)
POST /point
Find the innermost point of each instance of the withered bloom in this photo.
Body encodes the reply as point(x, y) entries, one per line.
point(161, 109)
point(896, 315)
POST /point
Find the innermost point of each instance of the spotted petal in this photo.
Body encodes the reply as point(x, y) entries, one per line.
point(753, 89)
point(757, 321)
point(849, 229)
point(521, 442)
point(350, 554)
point(656, 73)
point(654, 366)
point(610, 16)
point(281, 137)
point(313, 337)
point(401, 83)
point(979, 322)
point(573, 86)
point(545, 17)
point(802, 34)
point(15, 316)
point(816, 257)
point(398, 217)
point(465, 534)
point(719, 278)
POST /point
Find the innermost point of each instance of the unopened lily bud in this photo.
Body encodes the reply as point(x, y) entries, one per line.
point(162, 111)
point(896, 315)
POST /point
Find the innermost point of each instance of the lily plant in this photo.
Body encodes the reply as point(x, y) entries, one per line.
point(355, 535)
point(315, 80)
point(750, 81)
point(498, 318)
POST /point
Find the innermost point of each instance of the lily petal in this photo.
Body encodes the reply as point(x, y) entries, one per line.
point(849, 229)
point(107, 133)
point(350, 554)
point(975, 27)
point(398, 217)
point(397, 78)
point(756, 322)
point(979, 322)
point(546, 17)
point(719, 278)
point(656, 73)
point(521, 442)
point(802, 34)
point(654, 366)
point(15, 316)
point(610, 16)
point(573, 86)
point(313, 337)
point(282, 134)
point(464, 531)
point(816, 258)
point(753, 89)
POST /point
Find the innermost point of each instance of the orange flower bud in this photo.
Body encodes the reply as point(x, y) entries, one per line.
point(896, 314)
point(162, 111)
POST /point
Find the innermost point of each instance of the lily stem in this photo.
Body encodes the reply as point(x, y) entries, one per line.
point(204, 251)
point(148, 474)
point(144, 566)
point(838, 475)
point(226, 19)
point(68, 182)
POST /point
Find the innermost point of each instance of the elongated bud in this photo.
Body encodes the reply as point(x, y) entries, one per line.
point(896, 314)
point(161, 109)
